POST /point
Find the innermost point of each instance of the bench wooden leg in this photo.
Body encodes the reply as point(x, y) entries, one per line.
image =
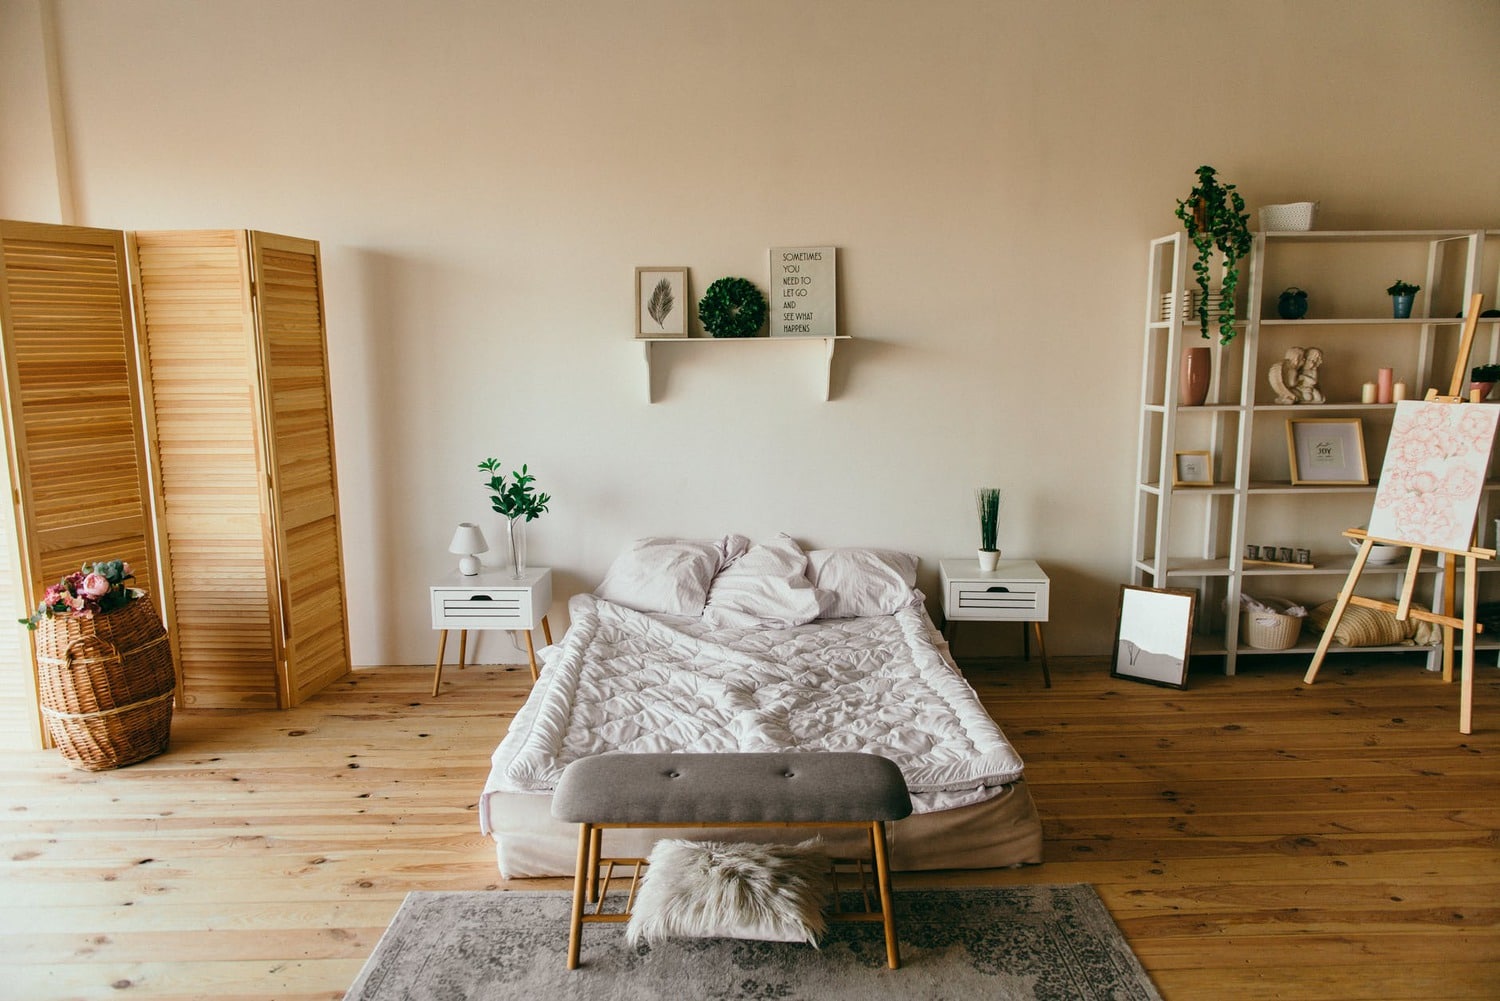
point(596, 840)
point(883, 881)
point(581, 884)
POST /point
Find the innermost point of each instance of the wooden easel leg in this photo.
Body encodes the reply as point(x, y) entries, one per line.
point(1466, 694)
point(1450, 568)
point(1338, 610)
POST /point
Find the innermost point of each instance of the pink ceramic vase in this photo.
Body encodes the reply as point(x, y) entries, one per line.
point(1192, 384)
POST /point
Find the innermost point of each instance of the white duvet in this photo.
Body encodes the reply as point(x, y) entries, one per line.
point(622, 680)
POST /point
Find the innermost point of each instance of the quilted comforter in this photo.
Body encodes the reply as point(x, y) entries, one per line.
point(621, 680)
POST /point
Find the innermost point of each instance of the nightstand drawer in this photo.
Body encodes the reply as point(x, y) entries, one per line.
point(998, 600)
point(481, 608)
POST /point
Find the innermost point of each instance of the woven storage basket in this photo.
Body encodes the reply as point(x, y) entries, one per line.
point(1270, 630)
point(106, 685)
point(1293, 217)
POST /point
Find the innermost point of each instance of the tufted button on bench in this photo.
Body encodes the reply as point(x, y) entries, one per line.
point(792, 789)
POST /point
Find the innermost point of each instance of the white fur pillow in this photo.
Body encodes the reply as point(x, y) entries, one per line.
point(767, 586)
point(710, 889)
point(662, 575)
point(861, 582)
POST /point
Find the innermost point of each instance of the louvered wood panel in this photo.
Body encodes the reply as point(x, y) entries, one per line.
point(75, 446)
point(299, 422)
point(198, 348)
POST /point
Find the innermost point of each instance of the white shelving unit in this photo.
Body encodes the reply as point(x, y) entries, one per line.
point(1195, 536)
point(650, 345)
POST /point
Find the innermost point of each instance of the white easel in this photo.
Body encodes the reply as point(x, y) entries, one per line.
point(1403, 608)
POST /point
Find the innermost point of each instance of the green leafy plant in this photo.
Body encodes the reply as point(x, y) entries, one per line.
point(1485, 373)
point(1215, 218)
point(1403, 288)
point(732, 307)
point(987, 501)
point(516, 497)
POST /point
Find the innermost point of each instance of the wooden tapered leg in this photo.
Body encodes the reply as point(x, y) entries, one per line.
point(531, 654)
point(580, 887)
point(463, 647)
point(547, 630)
point(1041, 650)
point(437, 673)
point(1338, 610)
point(883, 881)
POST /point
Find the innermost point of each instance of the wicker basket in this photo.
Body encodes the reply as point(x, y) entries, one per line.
point(106, 685)
point(1270, 630)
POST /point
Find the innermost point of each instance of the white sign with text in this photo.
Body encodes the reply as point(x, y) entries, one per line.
point(804, 292)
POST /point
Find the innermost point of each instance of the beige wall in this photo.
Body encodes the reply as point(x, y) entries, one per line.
point(484, 177)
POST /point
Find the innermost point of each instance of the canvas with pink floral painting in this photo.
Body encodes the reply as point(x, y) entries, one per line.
point(1434, 474)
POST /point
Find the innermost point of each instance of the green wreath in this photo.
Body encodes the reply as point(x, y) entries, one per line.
point(732, 307)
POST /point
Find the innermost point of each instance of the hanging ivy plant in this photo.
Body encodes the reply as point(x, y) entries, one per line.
point(732, 307)
point(1215, 218)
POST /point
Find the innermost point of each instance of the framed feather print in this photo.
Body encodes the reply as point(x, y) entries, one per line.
point(661, 302)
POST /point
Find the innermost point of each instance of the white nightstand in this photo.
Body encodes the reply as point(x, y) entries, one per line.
point(490, 600)
point(1015, 591)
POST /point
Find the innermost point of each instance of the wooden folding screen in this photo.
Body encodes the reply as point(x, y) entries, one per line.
point(74, 445)
point(233, 344)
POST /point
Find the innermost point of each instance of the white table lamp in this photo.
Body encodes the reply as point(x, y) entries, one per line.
point(468, 541)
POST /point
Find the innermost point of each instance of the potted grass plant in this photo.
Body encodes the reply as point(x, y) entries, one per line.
point(1402, 294)
point(987, 500)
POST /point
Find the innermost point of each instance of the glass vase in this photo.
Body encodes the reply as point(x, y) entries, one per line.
point(515, 535)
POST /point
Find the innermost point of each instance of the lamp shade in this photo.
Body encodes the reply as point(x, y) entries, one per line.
point(467, 541)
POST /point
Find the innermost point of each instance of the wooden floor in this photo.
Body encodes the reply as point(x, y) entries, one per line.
point(1253, 837)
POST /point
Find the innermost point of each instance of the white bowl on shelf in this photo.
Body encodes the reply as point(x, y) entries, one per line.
point(1381, 553)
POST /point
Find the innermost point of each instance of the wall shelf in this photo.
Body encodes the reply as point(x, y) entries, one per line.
point(649, 345)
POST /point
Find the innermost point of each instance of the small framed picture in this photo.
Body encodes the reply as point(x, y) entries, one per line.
point(1327, 452)
point(661, 302)
point(1192, 469)
point(1153, 635)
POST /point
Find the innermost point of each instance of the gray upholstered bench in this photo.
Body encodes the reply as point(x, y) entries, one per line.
point(793, 790)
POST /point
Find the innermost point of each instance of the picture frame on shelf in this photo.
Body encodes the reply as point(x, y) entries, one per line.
point(661, 302)
point(1153, 635)
point(1329, 451)
point(1192, 469)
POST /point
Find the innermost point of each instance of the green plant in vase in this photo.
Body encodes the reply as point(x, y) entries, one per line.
point(517, 500)
point(1215, 218)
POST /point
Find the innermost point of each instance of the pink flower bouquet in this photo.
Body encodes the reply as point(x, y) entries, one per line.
point(98, 587)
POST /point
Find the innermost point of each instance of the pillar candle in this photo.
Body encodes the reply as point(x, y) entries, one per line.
point(1398, 392)
point(1383, 385)
point(1367, 393)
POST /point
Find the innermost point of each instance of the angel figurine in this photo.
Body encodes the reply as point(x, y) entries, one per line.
point(1284, 375)
point(1307, 377)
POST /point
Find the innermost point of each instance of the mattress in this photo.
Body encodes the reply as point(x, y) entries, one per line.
point(627, 681)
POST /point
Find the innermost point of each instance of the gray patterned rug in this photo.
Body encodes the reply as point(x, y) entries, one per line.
point(1047, 943)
